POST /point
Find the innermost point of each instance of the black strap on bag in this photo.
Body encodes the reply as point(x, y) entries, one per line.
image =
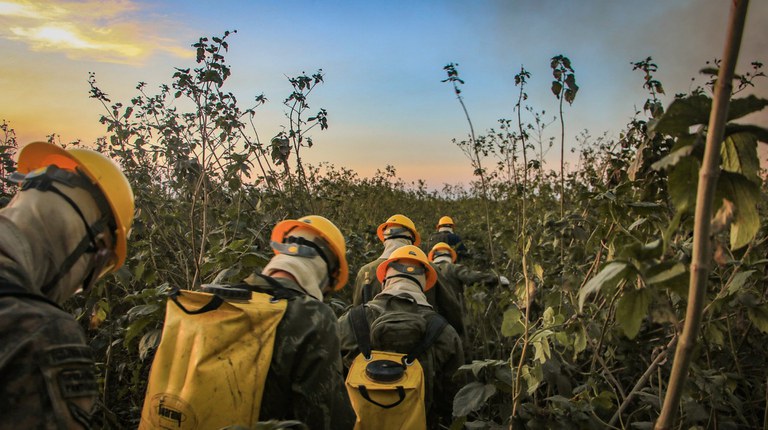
point(435, 327)
point(212, 305)
point(10, 289)
point(274, 289)
point(361, 330)
point(366, 396)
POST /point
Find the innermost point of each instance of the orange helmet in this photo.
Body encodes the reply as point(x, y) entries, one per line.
point(412, 254)
point(442, 246)
point(329, 232)
point(445, 221)
point(98, 168)
point(400, 220)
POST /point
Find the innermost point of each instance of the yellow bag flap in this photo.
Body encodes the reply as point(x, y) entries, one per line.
point(210, 368)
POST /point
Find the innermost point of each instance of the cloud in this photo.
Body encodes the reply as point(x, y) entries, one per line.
point(111, 31)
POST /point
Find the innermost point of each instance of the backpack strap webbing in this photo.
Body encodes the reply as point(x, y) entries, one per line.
point(10, 289)
point(274, 288)
point(361, 330)
point(435, 327)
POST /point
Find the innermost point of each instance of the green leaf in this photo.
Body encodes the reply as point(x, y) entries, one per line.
point(682, 114)
point(744, 194)
point(542, 351)
point(745, 106)
point(579, 341)
point(759, 317)
point(664, 273)
point(673, 158)
point(739, 155)
point(643, 251)
point(539, 271)
point(738, 281)
point(472, 397)
point(512, 325)
point(632, 308)
point(557, 87)
point(682, 183)
point(714, 335)
point(533, 376)
point(760, 133)
point(609, 277)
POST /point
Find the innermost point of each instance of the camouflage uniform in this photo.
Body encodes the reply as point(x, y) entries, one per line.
point(439, 362)
point(452, 239)
point(441, 296)
point(459, 276)
point(305, 379)
point(47, 375)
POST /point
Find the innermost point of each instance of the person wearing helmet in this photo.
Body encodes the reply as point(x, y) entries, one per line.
point(459, 276)
point(305, 380)
point(65, 228)
point(445, 233)
point(394, 233)
point(398, 317)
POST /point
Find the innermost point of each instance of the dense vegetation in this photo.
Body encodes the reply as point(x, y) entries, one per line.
point(583, 339)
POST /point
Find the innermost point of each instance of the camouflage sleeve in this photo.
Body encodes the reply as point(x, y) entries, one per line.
point(367, 274)
point(449, 356)
point(448, 304)
point(349, 348)
point(320, 398)
point(47, 374)
point(469, 276)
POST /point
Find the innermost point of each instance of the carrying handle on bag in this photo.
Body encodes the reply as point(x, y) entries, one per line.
point(214, 304)
point(400, 392)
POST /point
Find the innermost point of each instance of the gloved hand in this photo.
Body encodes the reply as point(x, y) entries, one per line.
point(503, 281)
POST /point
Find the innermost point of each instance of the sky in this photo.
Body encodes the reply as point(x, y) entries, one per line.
point(383, 64)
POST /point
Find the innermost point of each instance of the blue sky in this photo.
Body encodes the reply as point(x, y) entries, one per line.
point(382, 61)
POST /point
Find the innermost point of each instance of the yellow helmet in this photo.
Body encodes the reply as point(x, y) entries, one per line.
point(410, 253)
point(102, 171)
point(442, 245)
point(401, 220)
point(329, 232)
point(445, 221)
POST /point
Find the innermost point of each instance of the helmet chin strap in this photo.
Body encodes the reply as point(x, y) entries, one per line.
point(44, 181)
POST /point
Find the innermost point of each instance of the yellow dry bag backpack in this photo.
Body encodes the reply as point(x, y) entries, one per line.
point(216, 348)
point(386, 389)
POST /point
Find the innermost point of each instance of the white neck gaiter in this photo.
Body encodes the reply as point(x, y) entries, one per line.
point(442, 259)
point(310, 273)
point(448, 229)
point(390, 245)
point(396, 286)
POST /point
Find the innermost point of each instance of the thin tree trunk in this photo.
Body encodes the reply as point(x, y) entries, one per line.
point(702, 252)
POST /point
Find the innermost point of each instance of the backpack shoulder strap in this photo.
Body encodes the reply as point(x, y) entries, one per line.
point(10, 289)
point(435, 327)
point(272, 287)
point(361, 329)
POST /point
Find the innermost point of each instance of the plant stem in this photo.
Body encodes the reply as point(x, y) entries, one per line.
point(702, 252)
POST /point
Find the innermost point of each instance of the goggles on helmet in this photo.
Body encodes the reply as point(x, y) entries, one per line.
point(302, 247)
point(410, 269)
point(399, 233)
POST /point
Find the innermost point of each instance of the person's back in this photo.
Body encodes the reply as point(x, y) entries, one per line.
point(393, 316)
point(399, 231)
point(445, 233)
point(62, 232)
point(305, 379)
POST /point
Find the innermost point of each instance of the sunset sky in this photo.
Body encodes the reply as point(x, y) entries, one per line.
point(383, 65)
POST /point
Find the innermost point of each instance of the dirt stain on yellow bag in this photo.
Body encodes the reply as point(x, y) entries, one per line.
point(212, 361)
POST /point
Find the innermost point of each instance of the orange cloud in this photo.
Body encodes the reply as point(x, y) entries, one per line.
point(113, 31)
